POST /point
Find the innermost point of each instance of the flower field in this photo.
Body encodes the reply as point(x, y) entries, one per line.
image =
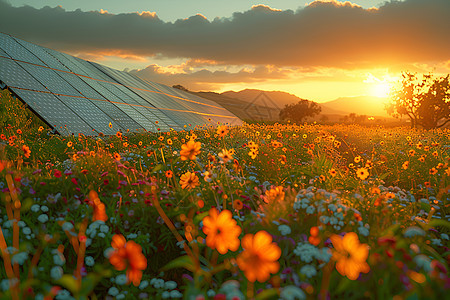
point(278, 211)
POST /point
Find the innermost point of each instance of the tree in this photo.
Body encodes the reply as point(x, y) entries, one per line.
point(425, 101)
point(302, 109)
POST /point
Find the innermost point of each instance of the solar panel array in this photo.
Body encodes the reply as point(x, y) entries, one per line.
point(76, 96)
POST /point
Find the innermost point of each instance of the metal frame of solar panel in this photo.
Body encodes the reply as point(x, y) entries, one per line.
point(76, 96)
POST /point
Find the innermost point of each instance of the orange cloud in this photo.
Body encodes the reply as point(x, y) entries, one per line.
point(323, 34)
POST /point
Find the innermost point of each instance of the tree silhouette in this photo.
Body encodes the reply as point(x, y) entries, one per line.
point(425, 101)
point(302, 109)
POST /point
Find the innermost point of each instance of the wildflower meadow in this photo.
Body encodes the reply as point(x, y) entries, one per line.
point(259, 211)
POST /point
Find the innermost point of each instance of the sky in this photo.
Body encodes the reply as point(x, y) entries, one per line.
point(317, 50)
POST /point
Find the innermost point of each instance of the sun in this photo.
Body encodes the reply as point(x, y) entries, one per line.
point(381, 89)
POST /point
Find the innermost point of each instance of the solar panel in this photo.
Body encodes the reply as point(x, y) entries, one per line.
point(76, 96)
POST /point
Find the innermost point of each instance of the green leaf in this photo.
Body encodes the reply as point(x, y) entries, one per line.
point(157, 168)
point(200, 217)
point(69, 282)
point(437, 223)
point(267, 294)
point(180, 262)
point(89, 282)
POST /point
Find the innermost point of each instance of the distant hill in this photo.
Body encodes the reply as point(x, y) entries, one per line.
point(362, 105)
point(265, 105)
point(277, 100)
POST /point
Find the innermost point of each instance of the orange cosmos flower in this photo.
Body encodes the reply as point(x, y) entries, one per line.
point(26, 151)
point(169, 174)
point(117, 156)
point(350, 255)
point(222, 231)
point(362, 173)
point(314, 239)
point(222, 130)
point(119, 134)
point(128, 255)
point(260, 256)
point(189, 180)
point(283, 159)
point(448, 172)
point(238, 205)
point(190, 150)
point(275, 194)
point(357, 159)
point(433, 171)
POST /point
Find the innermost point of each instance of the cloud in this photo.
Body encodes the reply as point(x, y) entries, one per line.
point(322, 34)
point(204, 79)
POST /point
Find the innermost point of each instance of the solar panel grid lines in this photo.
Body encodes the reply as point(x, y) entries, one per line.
point(76, 96)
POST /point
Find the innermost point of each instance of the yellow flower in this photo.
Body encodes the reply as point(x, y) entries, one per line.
point(225, 156)
point(433, 171)
point(405, 165)
point(222, 130)
point(69, 144)
point(190, 150)
point(222, 231)
point(357, 159)
point(332, 172)
point(362, 173)
point(260, 256)
point(189, 180)
point(253, 154)
point(350, 255)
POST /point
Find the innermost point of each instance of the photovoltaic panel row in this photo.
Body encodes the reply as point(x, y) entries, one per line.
point(51, 82)
point(160, 116)
point(89, 96)
point(45, 104)
point(115, 93)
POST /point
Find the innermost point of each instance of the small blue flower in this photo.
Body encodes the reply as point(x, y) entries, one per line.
point(284, 229)
point(44, 208)
point(89, 260)
point(56, 272)
point(113, 291)
point(35, 208)
point(121, 279)
point(143, 284)
point(58, 258)
point(43, 218)
point(67, 226)
point(292, 292)
point(309, 271)
point(175, 294)
point(364, 231)
point(20, 258)
point(414, 231)
point(310, 210)
point(170, 285)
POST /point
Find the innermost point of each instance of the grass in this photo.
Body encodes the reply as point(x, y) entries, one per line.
point(332, 212)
